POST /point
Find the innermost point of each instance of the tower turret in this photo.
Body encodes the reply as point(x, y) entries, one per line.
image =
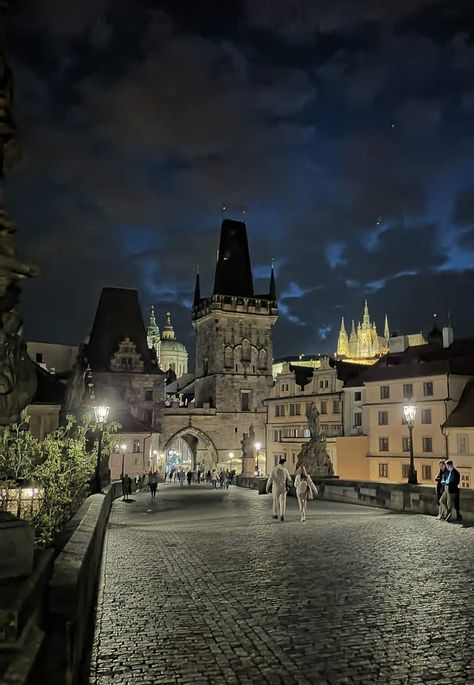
point(233, 270)
point(168, 331)
point(153, 331)
point(343, 341)
point(272, 291)
point(197, 289)
point(386, 331)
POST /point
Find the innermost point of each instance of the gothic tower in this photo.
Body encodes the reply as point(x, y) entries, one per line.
point(153, 334)
point(234, 331)
point(343, 341)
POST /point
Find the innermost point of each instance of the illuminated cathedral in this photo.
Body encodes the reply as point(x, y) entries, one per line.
point(363, 345)
point(171, 354)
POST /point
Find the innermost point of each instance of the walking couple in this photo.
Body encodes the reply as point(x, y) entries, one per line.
point(279, 483)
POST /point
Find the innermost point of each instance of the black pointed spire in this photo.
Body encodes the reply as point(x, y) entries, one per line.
point(272, 292)
point(197, 289)
point(233, 270)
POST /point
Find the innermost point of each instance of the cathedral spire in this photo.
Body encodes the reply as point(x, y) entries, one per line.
point(343, 341)
point(386, 332)
point(272, 292)
point(366, 317)
point(197, 289)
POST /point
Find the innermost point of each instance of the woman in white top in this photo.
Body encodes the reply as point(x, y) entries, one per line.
point(305, 490)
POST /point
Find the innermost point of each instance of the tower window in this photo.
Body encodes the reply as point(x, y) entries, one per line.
point(245, 400)
point(39, 357)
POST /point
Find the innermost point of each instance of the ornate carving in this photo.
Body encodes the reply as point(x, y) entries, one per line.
point(17, 371)
point(313, 455)
point(126, 358)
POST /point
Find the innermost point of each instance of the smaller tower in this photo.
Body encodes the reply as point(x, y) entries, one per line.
point(272, 292)
point(168, 331)
point(386, 332)
point(197, 290)
point(153, 334)
point(343, 341)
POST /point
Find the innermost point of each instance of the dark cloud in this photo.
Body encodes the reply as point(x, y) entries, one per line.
point(344, 128)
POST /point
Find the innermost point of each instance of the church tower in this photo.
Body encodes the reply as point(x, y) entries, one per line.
point(233, 327)
point(153, 334)
point(343, 341)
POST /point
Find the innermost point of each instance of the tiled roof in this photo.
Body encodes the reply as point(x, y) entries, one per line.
point(118, 316)
point(463, 415)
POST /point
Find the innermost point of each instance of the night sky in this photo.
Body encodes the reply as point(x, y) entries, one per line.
point(344, 127)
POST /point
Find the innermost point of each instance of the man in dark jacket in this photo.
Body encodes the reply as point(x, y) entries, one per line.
point(451, 481)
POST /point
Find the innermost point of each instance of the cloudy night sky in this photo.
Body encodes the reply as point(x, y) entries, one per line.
point(344, 127)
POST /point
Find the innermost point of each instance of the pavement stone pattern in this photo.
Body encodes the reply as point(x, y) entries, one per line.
point(204, 586)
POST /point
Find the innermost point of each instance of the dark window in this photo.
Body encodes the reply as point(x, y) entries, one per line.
point(136, 446)
point(324, 407)
point(384, 392)
point(426, 471)
point(245, 400)
point(147, 416)
point(383, 444)
point(428, 389)
point(383, 418)
point(149, 395)
point(358, 396)
point(406, 445)
point(426, 416)
point(383, 470)
point(405, 470)
point(408, 391)
point(39, 357)
point(357, 418)
point(427, 444)
point(326, 384)
point(335, 407)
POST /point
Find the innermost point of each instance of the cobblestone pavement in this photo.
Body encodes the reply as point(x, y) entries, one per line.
point(205, 587)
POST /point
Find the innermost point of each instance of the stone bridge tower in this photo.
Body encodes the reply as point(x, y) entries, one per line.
point(234, 356)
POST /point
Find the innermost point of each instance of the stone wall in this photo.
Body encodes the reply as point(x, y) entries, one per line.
point(72, 591)
point(415, 499)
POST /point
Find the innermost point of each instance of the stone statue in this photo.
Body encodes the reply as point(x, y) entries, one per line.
point(248, 452)
point(312, 414)
point(17, 372)
point(313, 455)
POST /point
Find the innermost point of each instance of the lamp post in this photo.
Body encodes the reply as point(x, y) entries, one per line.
point(101, 413)
point(410, 413)
point(231, 459)
point(257, 448)
point(123, 447)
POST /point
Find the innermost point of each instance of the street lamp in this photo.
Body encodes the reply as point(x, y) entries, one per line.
point(410, 412)
point(101, 413)
point(123, 447)
point(257, 448)
point(231, 459)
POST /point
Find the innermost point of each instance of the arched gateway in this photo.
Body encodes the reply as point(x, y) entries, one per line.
point(200, 448)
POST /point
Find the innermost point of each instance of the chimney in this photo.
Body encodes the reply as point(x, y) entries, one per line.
point(448, 336)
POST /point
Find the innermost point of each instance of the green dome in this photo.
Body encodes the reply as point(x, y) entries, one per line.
point(172, 346)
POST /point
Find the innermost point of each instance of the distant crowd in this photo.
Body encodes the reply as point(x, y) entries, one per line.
point(218, 479)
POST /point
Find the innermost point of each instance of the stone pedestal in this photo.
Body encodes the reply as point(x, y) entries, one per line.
point(248, 466)
point(16, 547)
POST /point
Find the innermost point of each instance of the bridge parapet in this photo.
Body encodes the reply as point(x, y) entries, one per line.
point(415, 499)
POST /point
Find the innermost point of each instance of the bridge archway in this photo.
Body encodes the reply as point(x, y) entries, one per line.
point(199, 450)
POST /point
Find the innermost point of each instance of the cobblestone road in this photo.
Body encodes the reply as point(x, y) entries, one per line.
point(204, 587)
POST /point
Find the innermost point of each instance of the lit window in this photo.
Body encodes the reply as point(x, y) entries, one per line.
point(136, 446)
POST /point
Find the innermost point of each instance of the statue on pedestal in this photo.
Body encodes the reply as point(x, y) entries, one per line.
point(248, 452)
point(17, 371)
point(313, 455)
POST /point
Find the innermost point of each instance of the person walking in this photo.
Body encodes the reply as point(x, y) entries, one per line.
point(214, 479)
point(451, 487)
point(153, 483)
point(189, 476)
point(126, 487)
point(278, 482)
point(305, 490)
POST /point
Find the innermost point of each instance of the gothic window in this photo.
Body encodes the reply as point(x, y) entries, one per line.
point(262, 359)
point(228, 357)
point(246, 350)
